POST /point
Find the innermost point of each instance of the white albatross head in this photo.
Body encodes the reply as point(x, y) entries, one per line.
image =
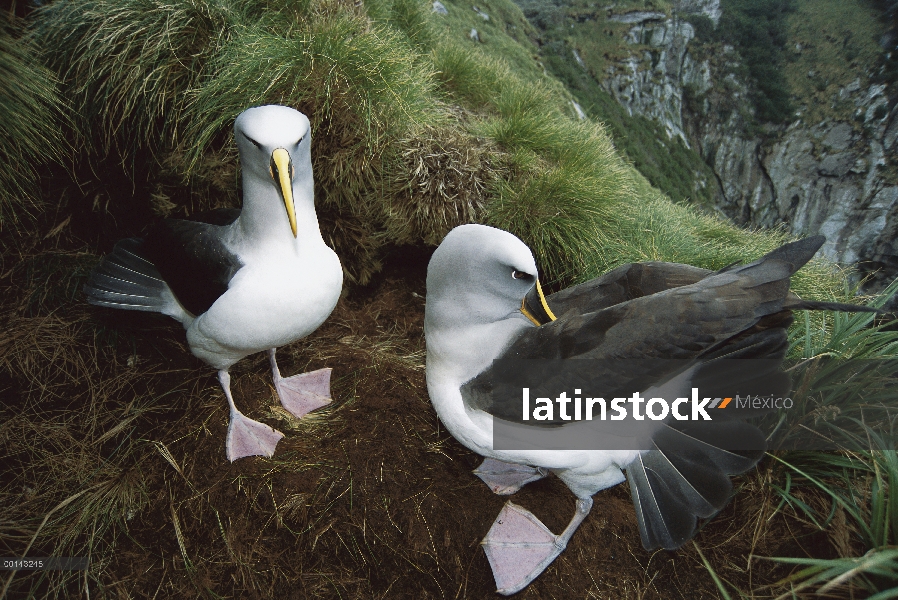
point(275, 152)
point(479, 275)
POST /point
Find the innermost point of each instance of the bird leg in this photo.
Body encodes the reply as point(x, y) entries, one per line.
point(301, 393)
point(519, 547)
point(245, 436)
point(505, 478)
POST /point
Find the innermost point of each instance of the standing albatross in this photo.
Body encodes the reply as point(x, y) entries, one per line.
point(484, 303)
point(241, 281)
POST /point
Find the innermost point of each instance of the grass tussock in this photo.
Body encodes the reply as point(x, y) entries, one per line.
point(454, 171)
point(32, 114)
point(384, 87)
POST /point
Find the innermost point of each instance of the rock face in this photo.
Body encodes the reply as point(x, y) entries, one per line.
point(827, 178)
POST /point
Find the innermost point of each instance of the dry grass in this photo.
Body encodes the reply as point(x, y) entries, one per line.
point(444, 181)
point(113, 438)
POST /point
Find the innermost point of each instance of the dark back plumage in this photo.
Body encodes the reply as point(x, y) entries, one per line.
point(192, 258)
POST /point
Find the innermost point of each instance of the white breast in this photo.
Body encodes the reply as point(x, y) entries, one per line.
point(268, 304)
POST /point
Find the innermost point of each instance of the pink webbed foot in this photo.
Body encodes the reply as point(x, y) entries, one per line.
point(519, 547)
point(507, 478)
point(303, 393)
point(245, 436)
point(250, 438)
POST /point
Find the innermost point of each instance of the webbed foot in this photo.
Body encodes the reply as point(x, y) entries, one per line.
point(507, 478)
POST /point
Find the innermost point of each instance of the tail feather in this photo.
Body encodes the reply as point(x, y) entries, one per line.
point(126, 280)
point(687, 476)
point(663, 521)
point(798, 304)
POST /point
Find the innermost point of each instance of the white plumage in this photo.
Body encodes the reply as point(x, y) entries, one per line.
point(241, 281)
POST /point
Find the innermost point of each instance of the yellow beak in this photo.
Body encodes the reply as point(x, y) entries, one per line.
point(535, 307)
point(284, 173)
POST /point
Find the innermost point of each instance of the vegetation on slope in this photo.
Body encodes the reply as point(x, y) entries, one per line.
point(831, 46)
point(759, 31)
point(159, 88)
point(31, 113)
point(580, 27)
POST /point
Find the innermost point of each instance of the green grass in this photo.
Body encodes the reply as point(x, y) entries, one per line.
point(668, 164)
point(32, 115)
point(844, 380)
point(759, 31)
point(381, 94)
point(859, 485)
point(839, 41)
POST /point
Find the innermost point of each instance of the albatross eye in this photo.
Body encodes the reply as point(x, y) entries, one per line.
point(252, 141)
point(520, 274)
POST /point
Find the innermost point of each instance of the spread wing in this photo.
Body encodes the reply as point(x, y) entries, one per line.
point(632, 322)
point(624, 283)
point(641, 321)
point(192, 258)
point(635, 319)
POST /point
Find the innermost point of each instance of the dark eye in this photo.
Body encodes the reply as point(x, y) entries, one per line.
point(252, 141)
point(521, 275)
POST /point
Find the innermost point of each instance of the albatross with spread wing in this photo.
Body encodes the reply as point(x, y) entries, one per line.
point(241, 281)
point(484, 302)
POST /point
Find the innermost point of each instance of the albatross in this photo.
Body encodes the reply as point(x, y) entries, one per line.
point(484, 302)
point(241, 281)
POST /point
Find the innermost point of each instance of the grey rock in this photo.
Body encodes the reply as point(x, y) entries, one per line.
point(705, 8)
point(439, 8)
point(474, 35)
point(839, 136)
point(811, 178)
point(640, 17)
point(481, 14)
point(836, 165)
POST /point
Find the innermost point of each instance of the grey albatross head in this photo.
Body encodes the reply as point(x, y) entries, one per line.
point(480, 274)
point(276, 157)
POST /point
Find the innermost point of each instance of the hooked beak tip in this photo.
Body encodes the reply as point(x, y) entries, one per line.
point(535, 307)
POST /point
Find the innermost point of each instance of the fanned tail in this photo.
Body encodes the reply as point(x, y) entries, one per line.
point(125, 279)
point(799, 304)
point(686, 476)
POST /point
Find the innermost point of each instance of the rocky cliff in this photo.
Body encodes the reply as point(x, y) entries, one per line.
point(832, 176)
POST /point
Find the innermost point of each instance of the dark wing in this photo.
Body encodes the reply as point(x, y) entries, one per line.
point(635, 280)
point(726, 314)
point(654, 312)
point(192, 258)
point(624, 283)
point(638, 340)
